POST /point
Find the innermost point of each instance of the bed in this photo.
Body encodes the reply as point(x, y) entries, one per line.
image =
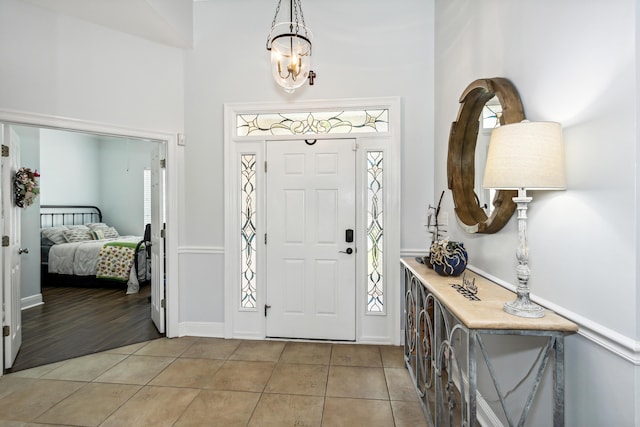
point(78, 247)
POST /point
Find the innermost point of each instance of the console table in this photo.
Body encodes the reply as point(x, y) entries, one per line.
point(445, 320)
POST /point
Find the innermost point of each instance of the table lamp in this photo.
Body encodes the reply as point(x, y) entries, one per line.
point(525, 156)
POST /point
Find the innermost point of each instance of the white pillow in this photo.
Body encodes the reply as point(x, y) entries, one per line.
point(97, 225)
point(77, 235)
point(55, 234)
point(110, 233)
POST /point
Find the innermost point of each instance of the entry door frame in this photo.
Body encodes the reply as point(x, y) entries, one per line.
point(250, 323)
point(174, 157)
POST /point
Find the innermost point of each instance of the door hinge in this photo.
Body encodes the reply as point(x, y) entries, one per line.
point(265, 239)
point(163, 163)
point(163, 233)
point(265, 166)
point(5, 241)
point(6, 331)
point(5, 151)
point(266, 307)
point(162, 303)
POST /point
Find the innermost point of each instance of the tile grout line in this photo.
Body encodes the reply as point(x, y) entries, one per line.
point(326, 387)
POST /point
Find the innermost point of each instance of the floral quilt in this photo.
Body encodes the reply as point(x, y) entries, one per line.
point(115, 261)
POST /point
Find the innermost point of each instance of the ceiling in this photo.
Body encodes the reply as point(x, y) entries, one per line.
point(168, 22)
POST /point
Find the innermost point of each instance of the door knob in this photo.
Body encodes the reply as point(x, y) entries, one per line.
point(348, 251)
point(23, 251)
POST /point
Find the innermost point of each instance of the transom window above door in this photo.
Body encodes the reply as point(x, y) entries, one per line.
point(309, 123)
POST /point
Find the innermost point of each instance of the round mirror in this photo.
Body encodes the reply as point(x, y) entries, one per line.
point(478, 101)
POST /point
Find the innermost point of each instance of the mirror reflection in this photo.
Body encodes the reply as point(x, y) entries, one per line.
point(489, 120)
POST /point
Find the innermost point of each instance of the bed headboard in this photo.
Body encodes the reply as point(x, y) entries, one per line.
point(52, 215)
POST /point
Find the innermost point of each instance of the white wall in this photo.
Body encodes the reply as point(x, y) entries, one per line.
point(65, 67)
point(574, 62)
point(360, 50)
point(122, 165)
point(69, 168)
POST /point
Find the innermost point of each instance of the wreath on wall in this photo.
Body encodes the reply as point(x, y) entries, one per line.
point(25, 187)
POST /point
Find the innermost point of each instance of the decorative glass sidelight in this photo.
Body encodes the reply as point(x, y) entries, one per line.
point(318, 122)
point(375, 232)
point(248, 231)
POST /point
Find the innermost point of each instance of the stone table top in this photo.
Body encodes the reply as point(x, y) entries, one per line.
point(486, 313)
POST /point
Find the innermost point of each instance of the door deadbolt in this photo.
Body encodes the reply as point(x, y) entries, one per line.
point(348, 235)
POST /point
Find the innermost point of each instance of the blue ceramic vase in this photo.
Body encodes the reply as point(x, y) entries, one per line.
point(448, 258)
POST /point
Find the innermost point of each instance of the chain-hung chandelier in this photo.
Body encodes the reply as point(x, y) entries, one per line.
point(290, 45)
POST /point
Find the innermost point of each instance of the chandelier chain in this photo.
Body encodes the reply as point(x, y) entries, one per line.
point(304, 25)
point(297, 6)
point(273, 23)
point(295, 13)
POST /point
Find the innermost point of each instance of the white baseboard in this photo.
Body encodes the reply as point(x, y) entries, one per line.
point(31, 301)
point(247, 336)
point(375, 340)
point(201, 329)
point(486, 416)
point(484, 413)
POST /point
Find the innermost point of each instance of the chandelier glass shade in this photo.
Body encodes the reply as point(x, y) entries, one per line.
point(290, 43)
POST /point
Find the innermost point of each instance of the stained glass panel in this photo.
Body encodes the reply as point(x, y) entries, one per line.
point(310, 123)
point(248, 231)
point(375, 232)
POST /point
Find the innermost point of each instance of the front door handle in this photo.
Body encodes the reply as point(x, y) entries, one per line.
point(23, 251)
point(349, 251)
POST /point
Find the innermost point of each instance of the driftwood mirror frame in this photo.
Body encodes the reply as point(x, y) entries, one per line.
point(461, 165)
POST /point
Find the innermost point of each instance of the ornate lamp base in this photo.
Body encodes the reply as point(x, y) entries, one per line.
point(523, 307)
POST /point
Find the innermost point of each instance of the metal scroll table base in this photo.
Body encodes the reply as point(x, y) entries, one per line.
point(442, 356)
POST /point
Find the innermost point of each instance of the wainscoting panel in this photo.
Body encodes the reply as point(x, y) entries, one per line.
point(201, 291)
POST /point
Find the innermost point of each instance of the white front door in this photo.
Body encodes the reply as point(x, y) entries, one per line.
point(12, 316)
point(310, 247)
point(157, 240)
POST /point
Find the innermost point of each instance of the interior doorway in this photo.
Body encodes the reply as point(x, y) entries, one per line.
point(168, 228)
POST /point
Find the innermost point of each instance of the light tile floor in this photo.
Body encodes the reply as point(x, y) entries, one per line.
point(215, 382)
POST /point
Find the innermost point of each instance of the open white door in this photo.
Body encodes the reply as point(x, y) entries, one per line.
point(157, 239)
point(11, 250)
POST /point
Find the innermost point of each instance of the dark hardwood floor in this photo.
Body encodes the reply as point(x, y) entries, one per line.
point(76, 321)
